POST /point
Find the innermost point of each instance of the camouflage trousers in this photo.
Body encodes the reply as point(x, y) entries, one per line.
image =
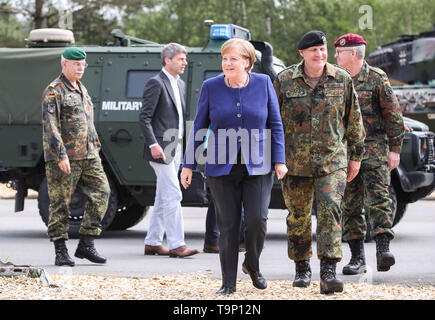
point(89, 175)
point(298, 195)
point(368, 190)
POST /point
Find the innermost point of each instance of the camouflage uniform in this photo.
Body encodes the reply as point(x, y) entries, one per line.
point(384, 128)
point(322, 124)
point(69, 133)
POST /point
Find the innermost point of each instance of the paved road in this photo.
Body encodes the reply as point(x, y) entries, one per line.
point(23, 241)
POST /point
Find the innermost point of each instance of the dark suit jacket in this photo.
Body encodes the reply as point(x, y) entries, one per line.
point(159, 113)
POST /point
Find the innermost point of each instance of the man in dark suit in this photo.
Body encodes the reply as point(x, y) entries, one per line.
point(162, 124)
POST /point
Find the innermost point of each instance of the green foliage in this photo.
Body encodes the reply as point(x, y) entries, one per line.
point(12, 32)
point(279, 22)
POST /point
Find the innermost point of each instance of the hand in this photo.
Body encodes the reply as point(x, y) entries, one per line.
point(64, 166)
point(157, 153)
point(280, 170)
point(186, 177)
point(393, 160)
point(352, 169)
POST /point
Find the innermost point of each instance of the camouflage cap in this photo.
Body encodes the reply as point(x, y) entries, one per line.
point(74, 53)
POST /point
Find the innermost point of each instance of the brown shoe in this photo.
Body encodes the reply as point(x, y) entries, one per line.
point(211, 248)
point(158, 250)
point(182, 252)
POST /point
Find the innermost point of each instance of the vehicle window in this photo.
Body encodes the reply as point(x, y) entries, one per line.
point(136, 80)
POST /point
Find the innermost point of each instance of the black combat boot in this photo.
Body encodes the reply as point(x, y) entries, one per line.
point(384, 257)
point(62, 256)
point(86, 249)
point(328, 282)
point(303, 274)
point(357, 262)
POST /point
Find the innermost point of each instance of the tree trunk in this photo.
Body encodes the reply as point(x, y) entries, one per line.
point(38, 18)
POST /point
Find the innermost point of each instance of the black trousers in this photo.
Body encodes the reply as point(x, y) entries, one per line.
point(230, 192)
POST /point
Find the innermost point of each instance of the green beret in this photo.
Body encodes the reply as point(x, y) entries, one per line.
point(74, 53)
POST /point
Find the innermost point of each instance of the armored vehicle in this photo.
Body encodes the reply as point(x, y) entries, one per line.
point(115, 78)
point(410, 64)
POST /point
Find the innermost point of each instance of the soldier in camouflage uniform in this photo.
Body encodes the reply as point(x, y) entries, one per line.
point(71, 147)
point(384, 128)
point(323, 127)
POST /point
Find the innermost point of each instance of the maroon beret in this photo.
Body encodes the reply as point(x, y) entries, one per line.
point(349, 40)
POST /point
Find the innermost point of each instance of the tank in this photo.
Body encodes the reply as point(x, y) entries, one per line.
point(410, 65)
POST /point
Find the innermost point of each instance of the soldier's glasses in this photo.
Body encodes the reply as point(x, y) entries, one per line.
point(80, 64)
point(337, 52)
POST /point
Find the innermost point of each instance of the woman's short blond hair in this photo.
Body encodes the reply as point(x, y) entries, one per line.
point(244, 47)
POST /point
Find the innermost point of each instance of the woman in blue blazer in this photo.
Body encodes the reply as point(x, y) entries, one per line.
point(245, 145)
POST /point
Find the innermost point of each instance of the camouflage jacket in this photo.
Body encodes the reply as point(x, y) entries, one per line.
point(382, 116)
point(322, 124)
point(68, 122)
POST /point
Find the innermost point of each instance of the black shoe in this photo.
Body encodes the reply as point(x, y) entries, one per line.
point(86, 250)
point(328, 282)
point(257, 278)
point(384, 257)
point(357, 262)
point(62, 256)
point(303, 274)
point(226, 290)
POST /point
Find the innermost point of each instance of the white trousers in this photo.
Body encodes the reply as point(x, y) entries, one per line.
point(167, 216)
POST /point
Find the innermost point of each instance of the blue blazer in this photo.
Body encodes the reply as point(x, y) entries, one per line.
point(239, 118)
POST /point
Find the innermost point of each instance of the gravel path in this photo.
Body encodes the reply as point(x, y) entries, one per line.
point(196, 286)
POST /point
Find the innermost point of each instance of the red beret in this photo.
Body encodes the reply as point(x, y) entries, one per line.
point(349, 40)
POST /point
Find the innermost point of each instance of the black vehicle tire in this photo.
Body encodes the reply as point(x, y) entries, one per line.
point(128, 217)
point(398, 207)
point(77, 207)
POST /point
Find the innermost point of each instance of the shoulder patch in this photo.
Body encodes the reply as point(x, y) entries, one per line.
point(51, 107)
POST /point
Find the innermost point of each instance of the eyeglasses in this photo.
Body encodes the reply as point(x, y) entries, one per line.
point(337, 52)
point(79, 64)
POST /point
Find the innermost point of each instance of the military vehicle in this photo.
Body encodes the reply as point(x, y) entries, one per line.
point(410, 65)
point(115, 79)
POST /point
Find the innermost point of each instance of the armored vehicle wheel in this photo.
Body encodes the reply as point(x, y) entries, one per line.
point(128, 217)
point(77, 207)
point(398, 207)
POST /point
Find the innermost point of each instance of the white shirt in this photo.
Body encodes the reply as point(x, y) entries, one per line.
point(176, 90)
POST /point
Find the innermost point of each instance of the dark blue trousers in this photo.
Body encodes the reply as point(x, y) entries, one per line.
point(231, 192)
